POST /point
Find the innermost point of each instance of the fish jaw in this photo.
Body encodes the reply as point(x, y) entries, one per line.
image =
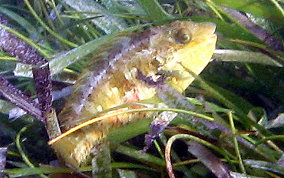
point(193, 56)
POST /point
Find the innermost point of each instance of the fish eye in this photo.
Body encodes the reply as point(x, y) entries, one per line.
point(182, 37)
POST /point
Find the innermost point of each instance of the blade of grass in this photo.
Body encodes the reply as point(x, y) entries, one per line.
point(23, 154)
point(20, 20)
point(154, 11)
point(20, 172)
point(176, 157)
point(257, 31)
point(244, 56)
point(187, 137)
point(215, 9)
point(63, 40)
point(264, 165)
point(277, 5)
point(139, 155)
point(212, 162)
point(25, 39)
point(236, 145)
point(108, 23)
point(262, 9)
point(3, 156)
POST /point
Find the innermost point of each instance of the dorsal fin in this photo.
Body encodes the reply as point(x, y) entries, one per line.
point(104, 59)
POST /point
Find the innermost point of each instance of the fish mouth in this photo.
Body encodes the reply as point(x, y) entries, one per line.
point(210, 31)
point(211, 27)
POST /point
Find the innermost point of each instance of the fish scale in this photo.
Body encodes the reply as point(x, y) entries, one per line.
point(113, 81)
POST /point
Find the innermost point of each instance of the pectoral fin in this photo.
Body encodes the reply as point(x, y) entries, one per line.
point(158, 126)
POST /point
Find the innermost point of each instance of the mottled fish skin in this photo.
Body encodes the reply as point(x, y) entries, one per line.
point(113, 80)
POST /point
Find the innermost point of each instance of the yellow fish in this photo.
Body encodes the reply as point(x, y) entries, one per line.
point(163, 50)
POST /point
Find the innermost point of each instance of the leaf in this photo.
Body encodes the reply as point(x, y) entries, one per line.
point(228, 98)
point(20, 20)
point(126, 173)
point(277, 122)
point(262, 9)
point(140, 155)
point(154, 10)
point(264, 165)
point(244, 56)
point(108, 23)
point(3, 155)
point(211, 161)
point(5, 106)
point(125, 6)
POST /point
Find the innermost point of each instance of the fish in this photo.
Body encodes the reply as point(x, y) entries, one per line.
point(161, 53)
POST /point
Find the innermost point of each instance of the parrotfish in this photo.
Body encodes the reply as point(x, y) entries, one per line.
point(114, 80)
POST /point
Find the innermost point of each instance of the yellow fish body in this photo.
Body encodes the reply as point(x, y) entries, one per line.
point(112, 81)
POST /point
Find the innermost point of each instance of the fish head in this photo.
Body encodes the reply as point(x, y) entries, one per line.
point(185, 46)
